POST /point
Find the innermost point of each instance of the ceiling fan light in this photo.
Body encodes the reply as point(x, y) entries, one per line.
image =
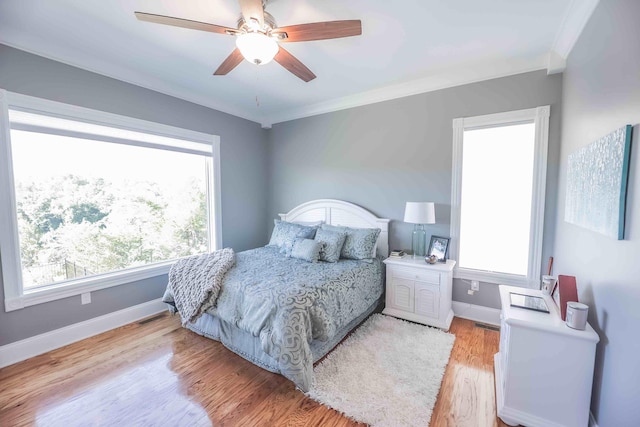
point(257, 48)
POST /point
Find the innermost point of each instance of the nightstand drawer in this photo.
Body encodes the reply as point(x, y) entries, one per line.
point(415, 274)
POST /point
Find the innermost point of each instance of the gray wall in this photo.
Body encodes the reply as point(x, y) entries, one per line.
point(382, 155)
point(601, 92)
point(244, 168)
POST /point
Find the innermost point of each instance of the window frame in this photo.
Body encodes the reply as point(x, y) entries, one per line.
point(15, 297)
point(540, 117)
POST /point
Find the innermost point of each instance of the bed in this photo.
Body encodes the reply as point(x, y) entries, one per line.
point(284, 314)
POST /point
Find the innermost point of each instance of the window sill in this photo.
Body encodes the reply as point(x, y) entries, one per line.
point(89, 284)
point(492, 277)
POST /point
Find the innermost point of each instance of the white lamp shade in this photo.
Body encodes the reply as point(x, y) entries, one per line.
point(420, 213)
point(257, 48)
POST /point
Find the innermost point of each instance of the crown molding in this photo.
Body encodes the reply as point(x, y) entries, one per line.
point(574, 21)
point(443, 80)
point(134, 78)
point(434, 82)
point(556, 64)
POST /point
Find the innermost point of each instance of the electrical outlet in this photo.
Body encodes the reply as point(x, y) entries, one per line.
point(85, 298)
point(475, 285)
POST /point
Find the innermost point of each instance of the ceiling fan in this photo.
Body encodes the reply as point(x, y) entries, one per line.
point(258, 36)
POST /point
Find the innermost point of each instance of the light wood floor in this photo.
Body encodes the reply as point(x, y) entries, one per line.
point(159, 374)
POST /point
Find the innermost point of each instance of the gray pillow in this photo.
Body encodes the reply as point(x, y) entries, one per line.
point(332, 242)
point(284, 234)
point(306, 249)
point(359, 243)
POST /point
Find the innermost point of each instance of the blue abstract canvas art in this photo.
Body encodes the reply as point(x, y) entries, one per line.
point(597, 178)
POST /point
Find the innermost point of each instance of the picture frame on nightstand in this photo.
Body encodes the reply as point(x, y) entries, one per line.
point(439, 246)
point(565, 291)
point(555, 294)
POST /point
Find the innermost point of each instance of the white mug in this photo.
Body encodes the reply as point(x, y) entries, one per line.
point(577, 315)
point(548, 283)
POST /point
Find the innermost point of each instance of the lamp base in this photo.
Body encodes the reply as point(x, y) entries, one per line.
point(418, 241)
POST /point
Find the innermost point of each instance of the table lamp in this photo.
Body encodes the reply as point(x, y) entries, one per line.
point(419, 213)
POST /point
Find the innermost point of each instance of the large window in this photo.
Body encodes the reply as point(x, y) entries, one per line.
point(499, 169)
point(97, 200)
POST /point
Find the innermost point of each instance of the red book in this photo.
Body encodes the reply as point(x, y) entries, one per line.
point(568, 291)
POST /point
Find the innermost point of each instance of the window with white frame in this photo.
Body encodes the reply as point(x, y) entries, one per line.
point(96, 200)
point(498, 194)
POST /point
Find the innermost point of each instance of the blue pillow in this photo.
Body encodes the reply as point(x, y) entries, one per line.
point(306, 249)
point(332, 242)
point(284, 234)
point(359, 242)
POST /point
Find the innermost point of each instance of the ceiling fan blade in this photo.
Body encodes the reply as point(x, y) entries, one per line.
point(184, 23)
point(292, 64)
point(230, 63)
point(320, 31)
point(252, 9)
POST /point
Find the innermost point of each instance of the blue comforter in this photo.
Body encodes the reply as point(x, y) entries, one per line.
point(287, 303)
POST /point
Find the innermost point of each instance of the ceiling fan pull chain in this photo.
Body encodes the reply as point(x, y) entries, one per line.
point(257, 87)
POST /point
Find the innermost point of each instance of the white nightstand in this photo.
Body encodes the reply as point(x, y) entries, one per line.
point(419, 291)
point(544, 370)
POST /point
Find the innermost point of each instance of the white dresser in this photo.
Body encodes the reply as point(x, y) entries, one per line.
point(544, 370)
point(419, 291)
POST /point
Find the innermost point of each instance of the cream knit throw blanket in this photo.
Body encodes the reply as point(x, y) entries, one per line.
point(195, 282)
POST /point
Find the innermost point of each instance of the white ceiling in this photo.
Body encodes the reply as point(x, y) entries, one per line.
point(407, 47)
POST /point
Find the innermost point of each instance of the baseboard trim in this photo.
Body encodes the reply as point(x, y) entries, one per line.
point(477, 313)
point(592, 420)
point(24, 349)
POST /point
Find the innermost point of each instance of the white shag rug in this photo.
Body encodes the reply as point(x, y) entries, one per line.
point(387, 373)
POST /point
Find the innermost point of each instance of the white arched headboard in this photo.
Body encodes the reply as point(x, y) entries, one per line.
point(337, 212)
